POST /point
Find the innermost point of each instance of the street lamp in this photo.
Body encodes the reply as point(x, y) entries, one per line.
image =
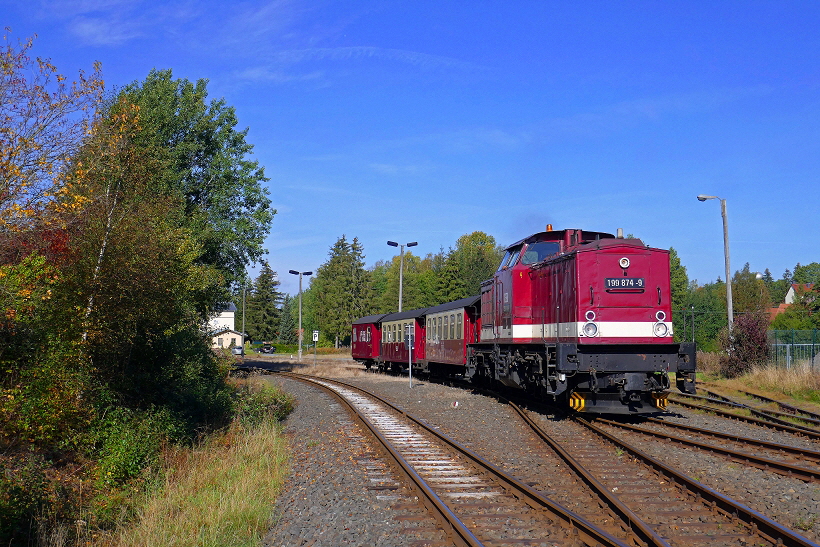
point(300, 274)
point(401, 263)
point(703, 197)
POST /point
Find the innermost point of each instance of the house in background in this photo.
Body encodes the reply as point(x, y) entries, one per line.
point(222, 328)
point(794, 290)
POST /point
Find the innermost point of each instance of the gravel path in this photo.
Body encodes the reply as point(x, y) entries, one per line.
point(328, 479)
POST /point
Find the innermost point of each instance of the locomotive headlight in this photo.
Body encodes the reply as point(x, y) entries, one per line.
point(660, 329)
point(590, 315)
point(590, 329)
point(624, 262)
point(660, 316)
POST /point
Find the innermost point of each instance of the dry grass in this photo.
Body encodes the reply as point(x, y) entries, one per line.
point(708, 365)
point(331, 368)
point(219, 494)
point(798, 382)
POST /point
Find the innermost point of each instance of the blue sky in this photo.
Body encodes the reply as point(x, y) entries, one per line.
point(423, 121)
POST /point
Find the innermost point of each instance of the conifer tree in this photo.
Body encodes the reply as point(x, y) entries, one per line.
point(264, 314)
point(287, 322)
point(341, 289)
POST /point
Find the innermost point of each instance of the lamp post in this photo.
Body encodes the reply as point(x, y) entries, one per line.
point(300, 274)
point(703, 197)
point(401, 263)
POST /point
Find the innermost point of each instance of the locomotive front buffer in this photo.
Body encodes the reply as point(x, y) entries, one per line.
point(625, 380)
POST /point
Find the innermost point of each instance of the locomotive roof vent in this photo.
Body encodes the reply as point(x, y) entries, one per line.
point(620, 233)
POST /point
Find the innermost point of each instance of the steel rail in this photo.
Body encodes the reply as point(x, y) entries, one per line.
point(775, 413)
point(760, 524)
point(638, 527)
point(791, 409)
point(764, 417)
point(588, 531)
point(762, 462)
point(796, 450)
point(748, 419)
point(456, 530)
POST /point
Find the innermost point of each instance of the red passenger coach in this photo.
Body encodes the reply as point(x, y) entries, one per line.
point(365, 340)
point(395, 354)
point(449, 329)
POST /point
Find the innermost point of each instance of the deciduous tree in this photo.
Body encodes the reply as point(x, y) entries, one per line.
point(209, 168)
point(43, 120)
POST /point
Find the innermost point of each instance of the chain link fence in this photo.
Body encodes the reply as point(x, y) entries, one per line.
point(788, 348)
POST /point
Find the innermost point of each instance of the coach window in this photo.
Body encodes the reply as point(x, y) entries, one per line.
point(354, 336)
point(452, 327)
point(459, 330)
point(368, 335)
point(438, 328)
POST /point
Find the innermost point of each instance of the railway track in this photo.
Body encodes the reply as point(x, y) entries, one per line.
point(766, 419)
point(787, 410)
point(474, 501)
point(780, 458)
point(640, 501)
point(672, 505)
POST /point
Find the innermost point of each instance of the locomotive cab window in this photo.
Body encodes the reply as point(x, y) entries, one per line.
point(505, 260)
point(538, 251)
point(516, 255)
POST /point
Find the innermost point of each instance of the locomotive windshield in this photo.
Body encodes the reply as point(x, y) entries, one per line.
point(538, 251)
point(509, 258)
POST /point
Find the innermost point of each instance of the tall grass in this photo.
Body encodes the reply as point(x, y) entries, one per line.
point(799, 382)
point(221, 493)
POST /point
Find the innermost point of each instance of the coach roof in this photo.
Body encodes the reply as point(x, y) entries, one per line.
point(369, 319)
point(454, 305)
point(409, 314)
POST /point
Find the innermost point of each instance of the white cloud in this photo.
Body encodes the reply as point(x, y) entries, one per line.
point(102, 32)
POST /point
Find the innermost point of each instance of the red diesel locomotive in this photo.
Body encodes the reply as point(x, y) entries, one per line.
point(583, 317)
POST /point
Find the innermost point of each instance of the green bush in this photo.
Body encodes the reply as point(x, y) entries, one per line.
point(131, 443)
point(256, 404)
point(22, 494)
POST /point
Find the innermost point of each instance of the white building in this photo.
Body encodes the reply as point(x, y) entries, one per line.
point(222, 328)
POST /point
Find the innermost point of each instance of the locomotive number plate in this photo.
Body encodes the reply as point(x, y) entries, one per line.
point(625, 283)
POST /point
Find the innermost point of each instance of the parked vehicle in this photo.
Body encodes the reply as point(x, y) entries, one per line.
point(267, 348)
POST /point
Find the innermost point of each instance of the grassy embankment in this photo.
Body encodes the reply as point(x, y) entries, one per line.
point(222, 492)
point(800, 382)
